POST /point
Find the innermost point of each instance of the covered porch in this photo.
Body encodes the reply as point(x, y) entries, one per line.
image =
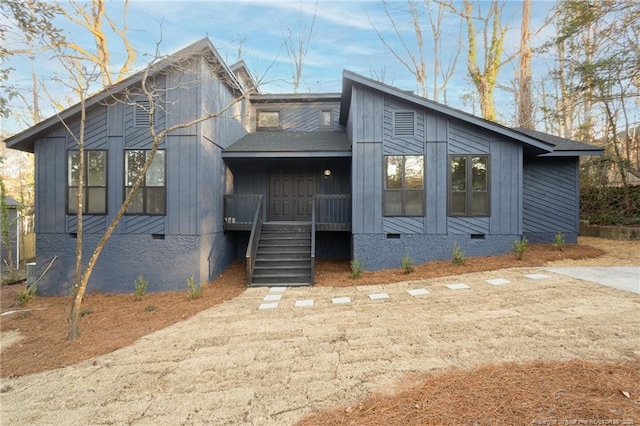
point(288, 196)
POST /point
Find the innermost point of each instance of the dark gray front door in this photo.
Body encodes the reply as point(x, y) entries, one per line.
point(290, 195)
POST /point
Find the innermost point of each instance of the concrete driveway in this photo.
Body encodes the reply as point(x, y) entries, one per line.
point(314, 348)
point(621, 277)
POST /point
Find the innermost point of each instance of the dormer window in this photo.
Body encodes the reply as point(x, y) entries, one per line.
point(268, 120)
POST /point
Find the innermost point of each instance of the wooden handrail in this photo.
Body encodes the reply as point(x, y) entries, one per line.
point(252, 246)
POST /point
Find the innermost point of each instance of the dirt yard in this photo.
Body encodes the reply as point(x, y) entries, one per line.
point(33, 337)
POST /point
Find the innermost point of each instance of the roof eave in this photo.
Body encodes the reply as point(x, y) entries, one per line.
point(25, 140)
point(574, 153)
point(286, 154)
point(349, 78)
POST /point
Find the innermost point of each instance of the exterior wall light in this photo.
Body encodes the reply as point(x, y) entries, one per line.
point(326, 173)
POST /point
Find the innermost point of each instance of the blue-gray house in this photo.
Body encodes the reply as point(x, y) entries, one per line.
point(280, 180)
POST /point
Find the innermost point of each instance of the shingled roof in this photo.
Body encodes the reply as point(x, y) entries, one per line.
point(562, 144)
point(278, 143)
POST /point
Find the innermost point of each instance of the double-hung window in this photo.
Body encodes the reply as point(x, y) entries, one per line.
point(404, 185)
point(469, 185)
point(150, 198)
point(95, 182)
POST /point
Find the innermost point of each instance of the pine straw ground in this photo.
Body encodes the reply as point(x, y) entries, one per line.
point(33, 340)
point(561, 393)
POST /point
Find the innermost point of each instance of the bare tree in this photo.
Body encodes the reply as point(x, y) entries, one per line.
point(414, 58)
point(484, 75)
point(154, 96)
point(297, 45)
point(524, 97)
point(91, 17)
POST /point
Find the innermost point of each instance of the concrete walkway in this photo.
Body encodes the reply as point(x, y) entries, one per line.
point(621, 277)
point(237, 364)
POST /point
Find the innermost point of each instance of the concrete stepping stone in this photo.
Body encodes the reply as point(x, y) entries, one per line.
point(304, 303)
point(536, 276)
point(378, 296)
point(341, 300)
point(265, 306)
point(277, 289)
point(272, 298)
point(418, 292)
point(457, 286)
point(497, 281)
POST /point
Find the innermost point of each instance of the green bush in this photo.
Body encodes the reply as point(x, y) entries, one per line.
point(140, 288)
point(356, 268)
point(407, 264)
point(25, 296)
point(559, 243)
point(520, 247)
point(458, 255)
point(606, 205)
point(194, 291)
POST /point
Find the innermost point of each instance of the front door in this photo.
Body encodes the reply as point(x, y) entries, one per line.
point(291, 195)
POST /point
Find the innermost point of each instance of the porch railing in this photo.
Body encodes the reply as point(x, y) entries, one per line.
point(256, 227)
point(332, 212)
point(239, 210)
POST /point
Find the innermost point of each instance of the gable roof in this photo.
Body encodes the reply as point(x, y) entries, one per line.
point(24, 140)
point(541, 143)
point(290, 144)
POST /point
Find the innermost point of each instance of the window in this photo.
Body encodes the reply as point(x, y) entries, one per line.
point(151, 196)
point(141, 114)
point(404, 185)
point(404, 123)
point(326, 119)
point(95, 182)
point(469, 185)
point(268, 120)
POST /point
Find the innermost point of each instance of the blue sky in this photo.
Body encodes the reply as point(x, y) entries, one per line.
point(343, 38)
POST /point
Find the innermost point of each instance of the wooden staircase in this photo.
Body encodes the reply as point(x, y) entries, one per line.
point(283, 256)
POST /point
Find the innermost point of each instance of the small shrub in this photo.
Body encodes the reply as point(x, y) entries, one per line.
point(25, 296)
point(407, 264)
point(520, 247)
point(140, 288)
point(458, 255)
point(150, 308)
point(356, 268)
point(559, 243)
point(86, 312)
point(194, 291)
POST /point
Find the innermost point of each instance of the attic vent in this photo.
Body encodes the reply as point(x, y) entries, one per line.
point(141, 115)
point(404, 123)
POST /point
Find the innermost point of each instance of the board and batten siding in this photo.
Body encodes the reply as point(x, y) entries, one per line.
point(550, 196)
point(366, 117)
point(299, 116)
point(505, 186)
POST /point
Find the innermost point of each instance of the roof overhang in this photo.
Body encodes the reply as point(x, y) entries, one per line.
point(592, 153)
point(350, 78)
point(25, 140)
point(296, 97)
point(287, 154)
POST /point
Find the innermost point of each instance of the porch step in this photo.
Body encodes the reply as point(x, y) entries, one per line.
point(283, 255)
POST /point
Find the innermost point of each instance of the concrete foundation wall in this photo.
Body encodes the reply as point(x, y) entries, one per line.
point(379, 252)
point(165, 263)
